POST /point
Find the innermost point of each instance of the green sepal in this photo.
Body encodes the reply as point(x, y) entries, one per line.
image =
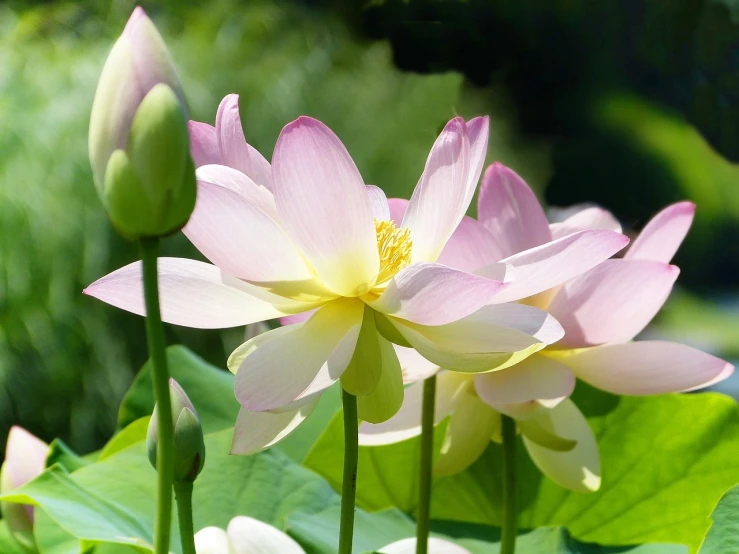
point(388, 330)
point(158, 145)
point(122, 195)
point(364, 371)
point(387, 398)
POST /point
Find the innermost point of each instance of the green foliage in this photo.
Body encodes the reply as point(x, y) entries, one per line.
point(666, 461)
point(723, 536)
point(319, 533)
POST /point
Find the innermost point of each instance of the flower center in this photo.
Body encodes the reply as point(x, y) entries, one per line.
point(394, 247)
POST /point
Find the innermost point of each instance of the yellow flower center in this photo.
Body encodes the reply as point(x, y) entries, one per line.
point(394, 247)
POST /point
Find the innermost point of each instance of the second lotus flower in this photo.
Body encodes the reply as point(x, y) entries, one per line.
point(601, 310)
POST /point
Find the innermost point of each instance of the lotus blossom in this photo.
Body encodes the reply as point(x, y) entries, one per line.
point(25, 459)
point(304, 239)
point(601, 310)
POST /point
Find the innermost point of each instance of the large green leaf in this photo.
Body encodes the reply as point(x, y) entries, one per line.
point(111, 501)
point(666, 461)
point(8, 545)
point(319, 533)
point(723, 536)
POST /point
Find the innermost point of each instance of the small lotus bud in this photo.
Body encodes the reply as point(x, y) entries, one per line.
point(25, 458)
point(189, 448)
point(139, 145)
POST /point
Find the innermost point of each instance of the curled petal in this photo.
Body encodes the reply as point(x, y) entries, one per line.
point(442, 195)
point(664, 233)
point(230, 134)
point(587, 218)
point(433, 294)
point(646, 367)
point(290, 363)
point(577, 469)
point(511, 212)
point(553, 263)
point(193, 294)
point(494, 337)
point(324, 206)
point(257, 431)
point(612, 302)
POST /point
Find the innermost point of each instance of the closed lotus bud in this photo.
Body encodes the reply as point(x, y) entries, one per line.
point(139, 145)
point(25, 458)
point(189, 448)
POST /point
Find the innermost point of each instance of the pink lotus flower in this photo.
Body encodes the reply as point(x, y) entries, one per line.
point(25, 459)
point(601, 310)
point(307, 236)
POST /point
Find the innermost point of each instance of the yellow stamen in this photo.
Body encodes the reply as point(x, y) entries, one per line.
point(394, 247)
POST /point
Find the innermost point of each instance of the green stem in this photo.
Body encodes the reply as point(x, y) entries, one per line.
point(160, 380)
point(427, 458)
point(183, 496)
point(508, 531)
point(349, 482)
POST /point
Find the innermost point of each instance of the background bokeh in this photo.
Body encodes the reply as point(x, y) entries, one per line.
point(631, 104)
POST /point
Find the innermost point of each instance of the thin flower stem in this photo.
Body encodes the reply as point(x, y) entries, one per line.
point(160, 380)
point(183, 496)
point(427, 458)
point(508, 531)
point(349, 482)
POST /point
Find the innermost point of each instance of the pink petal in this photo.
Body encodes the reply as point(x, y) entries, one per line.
point(237, 233)
point(380, 208)
point(442, 195)
point(323, 204)
point(535, 378)
point(286, 363)
point(257, 431)
point(261, 170)
point(204, 146)
point(553, 263)
point(647, 367)
point(433, 294)
point(478, 131)
point(296, 318)
point(193, 294)
point(471, 247)
point(398, 207)
point(511, 212)
point(231, 140)
point(588, 218)
point(612, 302)
point(25, 457)
point(664, 233)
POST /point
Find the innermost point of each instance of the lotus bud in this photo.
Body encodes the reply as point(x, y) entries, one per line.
point(189, 448)
point(25, 459)
point(139, 145)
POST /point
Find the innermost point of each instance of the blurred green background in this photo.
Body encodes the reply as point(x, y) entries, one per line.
point(631, 104)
